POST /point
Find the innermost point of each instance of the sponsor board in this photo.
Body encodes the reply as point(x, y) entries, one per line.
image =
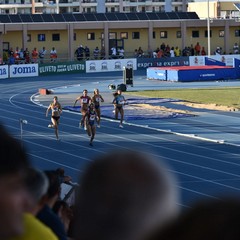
point(23, 70)
point(110, 65)
point(143, 63)
point(3, 71)
point(56, 68)
point(200, 60)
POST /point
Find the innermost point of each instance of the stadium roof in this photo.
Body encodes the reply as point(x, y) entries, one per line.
point(95, 17)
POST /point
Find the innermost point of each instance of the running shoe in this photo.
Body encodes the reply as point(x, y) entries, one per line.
point(50, 125)
point(85, 128)
point(98, 126)
point(90, 144)
point(121, 126)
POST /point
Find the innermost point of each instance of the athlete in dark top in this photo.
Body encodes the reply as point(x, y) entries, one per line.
point(91, 117)
point(96, 99)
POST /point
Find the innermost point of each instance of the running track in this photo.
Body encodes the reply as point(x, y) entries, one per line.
point(203, 169)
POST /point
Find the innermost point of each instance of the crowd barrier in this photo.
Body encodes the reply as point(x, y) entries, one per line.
point(108, 65)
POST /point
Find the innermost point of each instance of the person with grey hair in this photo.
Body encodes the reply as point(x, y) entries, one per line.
point(37, 185)
point(124, 195)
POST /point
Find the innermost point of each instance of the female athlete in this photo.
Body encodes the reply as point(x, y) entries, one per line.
point(91, 116)
point(56, 109)
point(96, 99)
point(85, 100)
point(118, 102)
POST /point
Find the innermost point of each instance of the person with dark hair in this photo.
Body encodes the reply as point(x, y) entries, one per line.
point(56, 109)
point(209, 219)
point(46, 214)
point(96, 99)
point(119, 101)
point(14, 198)
point(123, 195)
point(85, 100)
point(37, 185)
point(91, 117)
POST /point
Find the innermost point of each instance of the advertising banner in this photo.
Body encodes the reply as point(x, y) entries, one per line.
point(58, 68)
point(143, 63)
point(110, 65)
point(23, 70)
point(3, 71)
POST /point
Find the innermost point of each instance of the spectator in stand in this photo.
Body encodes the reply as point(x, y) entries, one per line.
point(121, 53)
point(87, 52)
point(102, 53)
point(16, 55)
point(203, 52)
point(163, 47)
point(10, 52)
point(124, 195)
point(14, 198)
point(185, 52)
point(11, 60)
point(192, 50)
point(160, 53)
point(37, 185)
point(42, 54)
point(172, 53)
point(53, 55)
point(113, 52)
point(96, 53)
point(218, 51)
point(46, 214)
point(177, 52)
point(26, 55)
point(167, 51)
point(21, 56)
point(236, 49)
point(197, 49)
point(34, 55)
point(79, 52)
point(136, 53)
point(140, 52)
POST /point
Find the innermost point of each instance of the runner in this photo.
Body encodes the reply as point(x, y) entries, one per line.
point(118, 102)
point(56, 108)
point(91, 116)
point(96, 99)
point(85, 100)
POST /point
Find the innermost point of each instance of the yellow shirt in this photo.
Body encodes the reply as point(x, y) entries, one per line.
point(35, 229)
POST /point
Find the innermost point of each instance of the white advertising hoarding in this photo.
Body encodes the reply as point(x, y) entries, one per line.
point(110, 65)
point(23, 70)
point(3, 71)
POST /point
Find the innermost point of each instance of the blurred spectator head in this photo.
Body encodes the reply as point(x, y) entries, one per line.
point(13, 200)
point(123, 195)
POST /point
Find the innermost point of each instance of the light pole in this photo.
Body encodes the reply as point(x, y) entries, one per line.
point(208, 30)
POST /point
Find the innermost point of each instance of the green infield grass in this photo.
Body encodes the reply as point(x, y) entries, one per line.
point(220, 96)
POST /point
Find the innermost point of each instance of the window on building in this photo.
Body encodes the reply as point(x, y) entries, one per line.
point(55, 37)
point(206, 33)
point(195, 34)
point(29, 38)
point(221, 33)
point(153, 34)
point(178, 34)
point(74, 37)
point(124, 35)
point(237, 33)
point(136, 35)
point(112, 35)
point(163, 34)
point(41, 37)
point(91, 36)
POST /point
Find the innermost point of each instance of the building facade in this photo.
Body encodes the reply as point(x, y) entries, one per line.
point(66, 32)
point(90, 6)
